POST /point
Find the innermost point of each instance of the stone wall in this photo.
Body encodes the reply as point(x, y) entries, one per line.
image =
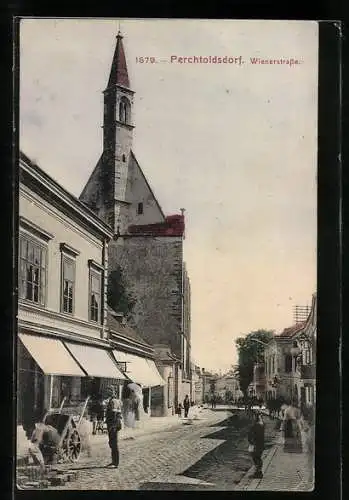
point(152, 270)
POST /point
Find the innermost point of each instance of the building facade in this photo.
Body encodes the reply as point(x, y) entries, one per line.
point(197, 386)
point(305, 349)
point(62, 343)
point(290, 367)
point(70, 345)
point(208, 385)
point(227, 387)
point(281, 378)
point(147, 248)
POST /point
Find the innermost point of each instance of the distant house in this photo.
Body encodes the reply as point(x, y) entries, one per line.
point(290, 361)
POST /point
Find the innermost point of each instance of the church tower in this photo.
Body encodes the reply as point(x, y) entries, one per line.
point(117, 138)
point(107, 192)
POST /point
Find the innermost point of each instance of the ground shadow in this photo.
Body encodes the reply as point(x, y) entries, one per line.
point(228, 462)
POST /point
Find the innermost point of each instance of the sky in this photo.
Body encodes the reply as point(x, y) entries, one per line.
point(234, 144)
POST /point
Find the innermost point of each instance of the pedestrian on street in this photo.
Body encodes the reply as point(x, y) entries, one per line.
point(44, 444)
point(97, 413)
point(113, 421)
point(256, 444)
point(186, 406)
point(291, 428)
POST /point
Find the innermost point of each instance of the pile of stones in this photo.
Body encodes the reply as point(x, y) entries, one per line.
point(32, 477)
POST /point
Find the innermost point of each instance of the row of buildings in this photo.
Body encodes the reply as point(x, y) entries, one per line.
point(289, 367)
point(103, 289)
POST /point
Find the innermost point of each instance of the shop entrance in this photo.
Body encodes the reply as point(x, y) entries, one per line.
point(30, 390)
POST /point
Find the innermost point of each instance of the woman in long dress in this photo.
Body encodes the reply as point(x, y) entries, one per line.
point(291, 427)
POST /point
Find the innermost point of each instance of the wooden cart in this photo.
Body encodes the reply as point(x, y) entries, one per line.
point(67, 424)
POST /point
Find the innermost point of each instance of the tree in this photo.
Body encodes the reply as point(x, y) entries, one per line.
point(117, 296)
point(250, 350)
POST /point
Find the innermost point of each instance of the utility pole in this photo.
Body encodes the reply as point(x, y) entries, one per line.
point(300, 313)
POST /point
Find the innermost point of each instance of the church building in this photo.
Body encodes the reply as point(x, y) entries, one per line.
point(148, 281)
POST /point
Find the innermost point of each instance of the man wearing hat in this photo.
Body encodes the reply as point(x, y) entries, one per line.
point(113, 421)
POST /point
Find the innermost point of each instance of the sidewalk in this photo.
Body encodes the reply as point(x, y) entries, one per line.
point(148, 425)
point(282, 471)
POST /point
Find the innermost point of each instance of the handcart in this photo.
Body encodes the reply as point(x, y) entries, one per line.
point(67, 425)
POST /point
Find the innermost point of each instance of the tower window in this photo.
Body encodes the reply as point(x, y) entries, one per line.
point(124, 110)
point(140, 209)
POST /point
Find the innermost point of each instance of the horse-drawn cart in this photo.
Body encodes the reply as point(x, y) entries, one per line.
point(67, 422)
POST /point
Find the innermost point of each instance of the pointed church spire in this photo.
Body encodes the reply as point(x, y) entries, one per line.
point(118, 72)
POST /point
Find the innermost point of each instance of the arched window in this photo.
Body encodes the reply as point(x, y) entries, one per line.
point(124, 110)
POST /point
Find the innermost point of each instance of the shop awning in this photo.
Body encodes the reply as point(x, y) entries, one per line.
point(140, 370)
point(51, 355)
point(95, 361)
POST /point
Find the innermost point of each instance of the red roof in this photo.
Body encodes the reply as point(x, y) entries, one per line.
point(292, 330)
point(118, 72)
point(173, 226)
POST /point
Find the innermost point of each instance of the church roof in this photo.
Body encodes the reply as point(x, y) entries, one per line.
point(173, 226)
point(147, 183)
point(118, 73)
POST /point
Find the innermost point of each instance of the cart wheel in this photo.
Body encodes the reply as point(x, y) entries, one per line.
point(74, 446)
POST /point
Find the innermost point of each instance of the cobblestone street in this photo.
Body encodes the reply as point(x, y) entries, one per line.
point(148, 457)
point(210, 454)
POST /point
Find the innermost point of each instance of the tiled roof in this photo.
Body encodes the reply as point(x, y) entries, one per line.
point(115, 326)
point(291, 330)
point(173, 226)
point(166, 356)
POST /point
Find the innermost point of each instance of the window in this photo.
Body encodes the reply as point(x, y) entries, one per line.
point(288, 363)
point(124, 110)
point(95, 295)
point(307, 356)
point(68, 284)
point(140, 209)
point(32, 270)
point(309, 395)
point(124, 158)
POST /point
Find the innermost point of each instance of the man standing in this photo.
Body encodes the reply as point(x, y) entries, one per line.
point(113, 420)
point(186, 406)
point(256, 444)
